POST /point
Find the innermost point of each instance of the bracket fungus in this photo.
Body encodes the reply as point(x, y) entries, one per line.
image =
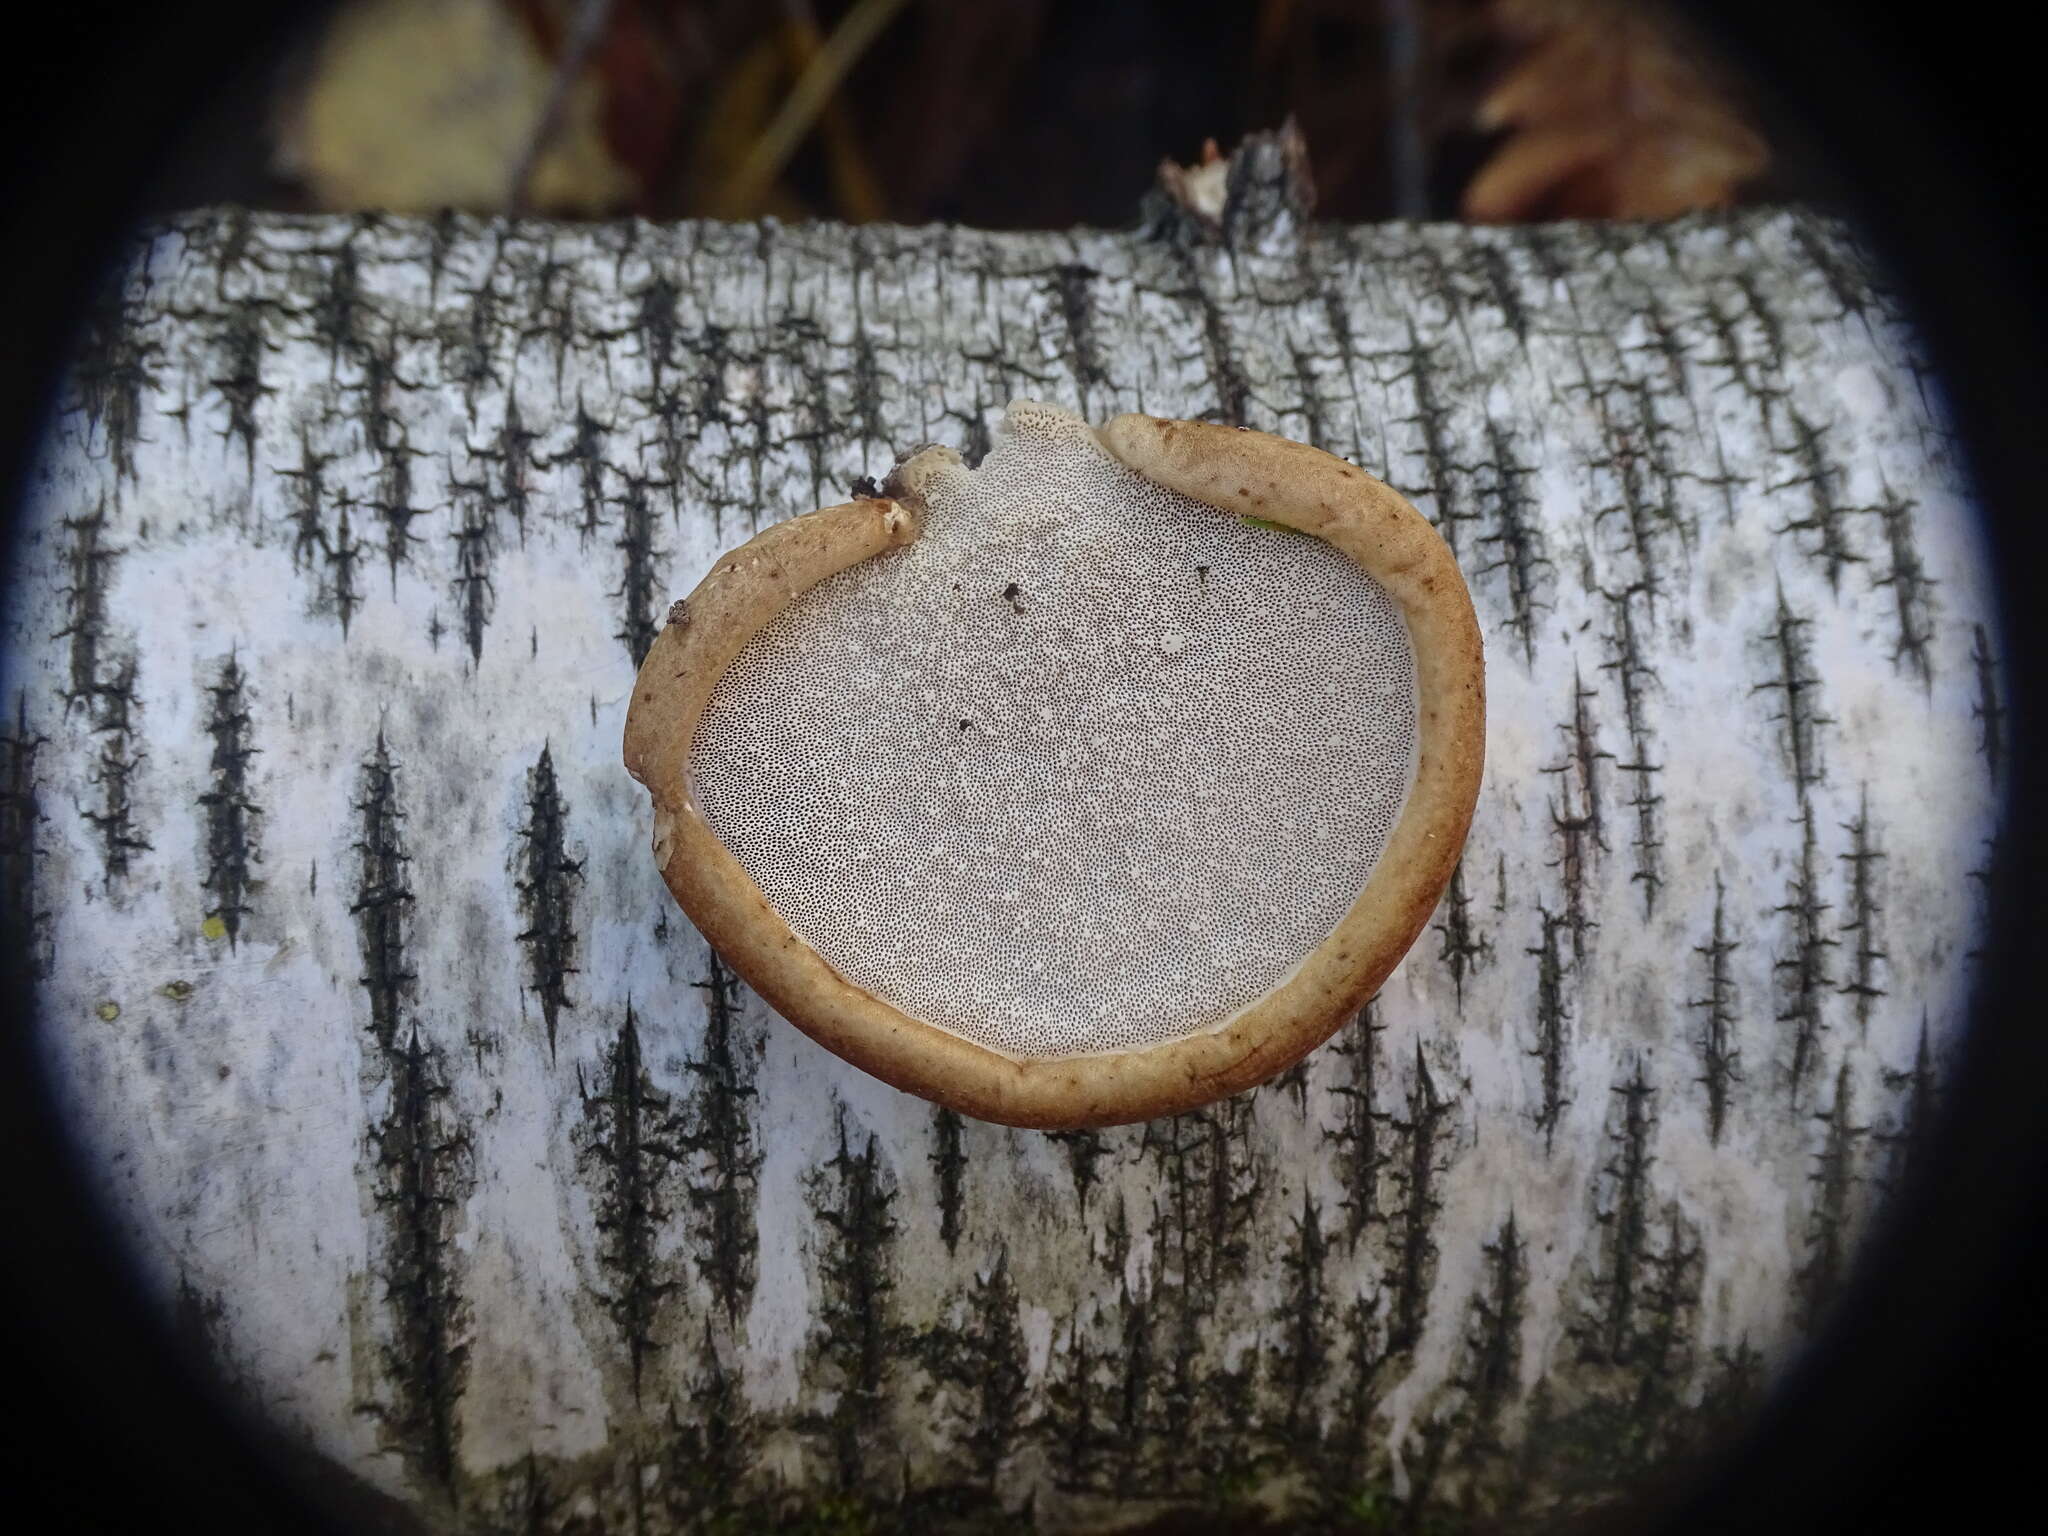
point(1075, 788)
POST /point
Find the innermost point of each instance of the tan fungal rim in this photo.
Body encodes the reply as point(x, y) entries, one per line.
point(1234, 470)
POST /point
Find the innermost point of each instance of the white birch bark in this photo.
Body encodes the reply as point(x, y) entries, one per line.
point(414, 1091)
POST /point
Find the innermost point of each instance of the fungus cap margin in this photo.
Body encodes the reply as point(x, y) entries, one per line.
point(1233, 469)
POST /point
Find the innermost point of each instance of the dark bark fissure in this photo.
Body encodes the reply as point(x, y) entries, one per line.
point(1464, 949)
point(1575, 812)
point(982, 1361)
point(1720, 1056)
point(1084, 1150)
point(1804, 978)
point(1864, 913)
point(1517, 538)
point(1553, 1023)
point(949, 1162)
point(547, 881)
point(21, 815)
point(718, 1133)
point(1912, 1134)
point(857, 1337)
point(338, 553)
point(629, 1135)
point(1417, 1164)
point(638, 592)
point(1490, 1370)
point(383, 899)
point(104, 683)
point(1301, 1359)
point(115, 367)
point(1627, 660)
point(1362, 1153)
point(1986, 709)
point(232, 815)
point(1827, 519)
point(1834, 1175)
point(706, 1462)
point(1911, 587)
point(422, 1177)
point(1623, 1218)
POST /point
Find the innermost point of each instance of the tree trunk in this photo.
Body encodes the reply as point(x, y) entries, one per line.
point(421, 1100)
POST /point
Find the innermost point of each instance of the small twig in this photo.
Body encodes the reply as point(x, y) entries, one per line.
point(813, 89)
point(592, 17)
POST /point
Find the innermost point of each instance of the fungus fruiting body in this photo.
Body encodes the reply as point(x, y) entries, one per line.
point(1071, 788)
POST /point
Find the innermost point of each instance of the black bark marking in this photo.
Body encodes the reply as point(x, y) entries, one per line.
point(1417, 1164)
point(1627, 660)
point(114, 770)
point(511, 453)
point(1134, 1391)
point(239, 343)
point(113, 370)
point(984, 1361)
point(1517, 538)
point(949, 1162)
point(383, 900)
point(629, 1134)
point(1501, 288)
point(1795, 681)
point(705, 1462)
point(1362, 1153)
point(1911, 1138)
point(1073, 284)
point(1490, 1369)
point(587, 452)
point(1295, 1081)
point(394, 507)
point(1802, 969)
point(1911, 587)
point(1302, 1358)
point(655, 325)
point(1661, 1352)
point(1986, 709)
point(547, 883)
point(637, 586)
point(1575, 811)
point(1076, 1420)
point(1553, 1024)
point(338, 309)
point(422, 1178)
point(1084, 1154)
point(1605, 1332)
point(475, 597)
point(1433, 418)
point(856, 1339)
point(337, 554)
point(1828, 1225)
point(89, 567)
point(719, 1135)
point(1720, 1056)
point(1864, 913)
point(21, 919)
point(1209, 1182)
point(1464, 949)
point(232, 814)
point(1342, 1457)
point(1827, 518)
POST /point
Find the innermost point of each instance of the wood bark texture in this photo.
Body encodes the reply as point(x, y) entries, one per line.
point(426, 1109)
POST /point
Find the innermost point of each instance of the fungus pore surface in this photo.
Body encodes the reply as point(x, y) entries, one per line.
point(1090, 766)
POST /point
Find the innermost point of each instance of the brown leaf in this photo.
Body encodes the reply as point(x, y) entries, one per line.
point(1609, 112)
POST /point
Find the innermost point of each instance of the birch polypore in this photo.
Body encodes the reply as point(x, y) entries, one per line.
point(1100, 801)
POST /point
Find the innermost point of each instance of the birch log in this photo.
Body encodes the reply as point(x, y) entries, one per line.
point(479, 1172)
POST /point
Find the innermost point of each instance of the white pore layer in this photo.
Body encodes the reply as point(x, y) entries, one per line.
point(1090, 766)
